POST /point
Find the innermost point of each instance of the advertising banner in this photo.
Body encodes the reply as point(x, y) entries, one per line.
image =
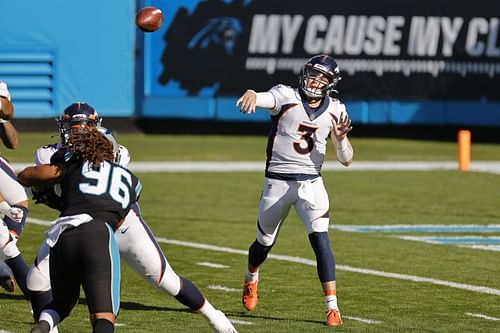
point(386, 49)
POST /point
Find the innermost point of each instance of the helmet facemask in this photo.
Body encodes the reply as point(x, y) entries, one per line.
point(319, 77)
point(77, 115)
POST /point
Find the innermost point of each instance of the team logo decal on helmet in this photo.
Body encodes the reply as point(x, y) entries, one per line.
point(324, 72)
point(76, 115)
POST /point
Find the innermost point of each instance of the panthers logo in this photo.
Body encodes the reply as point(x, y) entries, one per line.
point(219, 31)
point(201, 53)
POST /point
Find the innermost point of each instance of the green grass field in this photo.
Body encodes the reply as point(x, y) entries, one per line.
point(219, 209)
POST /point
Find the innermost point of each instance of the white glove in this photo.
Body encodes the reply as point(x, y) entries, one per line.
point(4, 91)
point(16, 214)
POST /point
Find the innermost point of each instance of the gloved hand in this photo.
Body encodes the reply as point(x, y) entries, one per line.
point(16, 214)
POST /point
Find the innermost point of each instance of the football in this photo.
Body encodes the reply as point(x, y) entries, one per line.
point(149, 19)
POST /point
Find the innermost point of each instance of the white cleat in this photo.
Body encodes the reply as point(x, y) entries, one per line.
point(221, 324)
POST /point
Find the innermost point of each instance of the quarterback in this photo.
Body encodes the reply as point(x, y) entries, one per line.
point(303, 119)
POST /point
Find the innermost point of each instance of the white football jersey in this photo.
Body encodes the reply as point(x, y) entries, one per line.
point(43, 154)
point(4, 90)
point(297, 141)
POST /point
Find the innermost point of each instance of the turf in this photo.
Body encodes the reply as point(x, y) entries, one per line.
point(219, 209)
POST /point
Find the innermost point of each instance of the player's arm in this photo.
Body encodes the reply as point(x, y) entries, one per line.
point(41, 175)
point(340, 129)
point(252, 99)
point(6, 106)
point(14, 213)
point(8, 134)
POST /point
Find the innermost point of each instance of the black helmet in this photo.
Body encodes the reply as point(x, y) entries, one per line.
point(322, 66)
point(77, 115)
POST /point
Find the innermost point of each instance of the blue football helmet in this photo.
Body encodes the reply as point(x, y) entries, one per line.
point(317, 69)
point(77, 115)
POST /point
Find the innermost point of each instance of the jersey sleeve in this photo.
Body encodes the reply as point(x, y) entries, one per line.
point(281, 94)
point(122, 156)
point(43, 154)
point(4, 91)
point(338, 109)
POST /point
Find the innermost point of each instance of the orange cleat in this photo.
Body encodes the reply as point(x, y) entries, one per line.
point(333, 318)
point(250, 297)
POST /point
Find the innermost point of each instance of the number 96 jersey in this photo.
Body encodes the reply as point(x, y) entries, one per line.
point(105, 192)
point(298, 137)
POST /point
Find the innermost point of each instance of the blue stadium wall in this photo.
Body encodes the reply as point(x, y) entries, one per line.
point(433, 62)
point(53, 53)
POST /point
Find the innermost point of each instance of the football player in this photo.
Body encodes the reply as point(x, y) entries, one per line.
point(96, 195)
point(303, 119)
point(136, 242)
point(15, 196)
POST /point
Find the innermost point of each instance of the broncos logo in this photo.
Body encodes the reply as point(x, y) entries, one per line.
point(220, 31)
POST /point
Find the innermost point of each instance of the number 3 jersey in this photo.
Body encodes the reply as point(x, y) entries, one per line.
point(296, 146)
point(105, 192)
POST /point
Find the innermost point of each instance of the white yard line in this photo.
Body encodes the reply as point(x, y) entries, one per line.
point(211, 265)
point(482, 316)
point(241, 322)
point(223, 288)
point(363, 320)
point(309, 262)
point(253, 166)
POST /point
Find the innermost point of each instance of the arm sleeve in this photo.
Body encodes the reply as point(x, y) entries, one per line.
point(265, 100)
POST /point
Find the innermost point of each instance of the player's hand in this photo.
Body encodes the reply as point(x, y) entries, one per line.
point(16, 214)
point(341, 128)
point(247, 101)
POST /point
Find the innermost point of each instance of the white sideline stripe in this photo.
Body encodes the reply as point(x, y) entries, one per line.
point(367, 321)
point(482, 316)
point(2, 331)
point(247, 166)
point(223, 288)
point(427, 228)
point(309, 262)
point(495, 248)
point(212, 265)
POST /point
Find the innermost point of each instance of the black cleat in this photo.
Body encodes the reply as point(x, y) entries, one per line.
point(7, 283)
point(41, 327)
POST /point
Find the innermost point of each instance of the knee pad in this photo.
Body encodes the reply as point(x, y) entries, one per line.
point(37, 280)
point(263, 238)
point(8, 245)
point(170, 283)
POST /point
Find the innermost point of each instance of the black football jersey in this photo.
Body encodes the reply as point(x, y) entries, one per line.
point(105, 192)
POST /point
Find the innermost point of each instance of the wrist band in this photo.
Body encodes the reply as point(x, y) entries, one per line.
point(342, 145)
point(3, 121)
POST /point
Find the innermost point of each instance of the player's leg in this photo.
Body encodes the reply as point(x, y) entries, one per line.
point(140, 250)
point(274, 206)
point(313, 209)
point(38, 281)
point(65, 281)
point(101, 274)
point(15, 195)
point(6, 281)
